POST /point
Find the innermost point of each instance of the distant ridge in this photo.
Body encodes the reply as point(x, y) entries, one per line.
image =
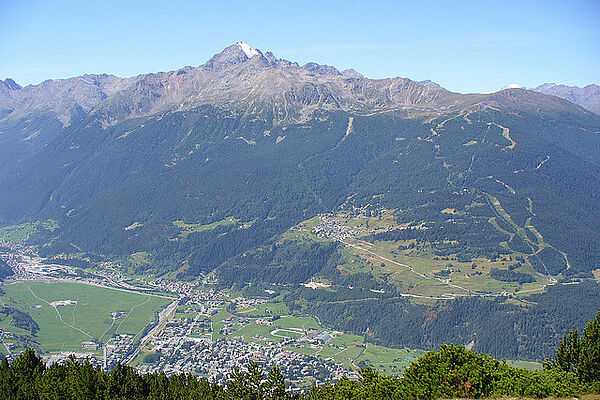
point(588, 96)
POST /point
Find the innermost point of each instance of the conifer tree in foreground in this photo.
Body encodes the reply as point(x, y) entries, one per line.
point(580, 353)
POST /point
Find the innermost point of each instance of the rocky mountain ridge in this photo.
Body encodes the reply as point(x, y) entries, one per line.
point(240, 78)
point(588, 96)
point(281, 89)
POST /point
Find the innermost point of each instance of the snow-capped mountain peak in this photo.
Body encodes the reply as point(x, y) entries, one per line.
point(247, 49)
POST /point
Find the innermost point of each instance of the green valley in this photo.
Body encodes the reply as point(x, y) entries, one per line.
point(71, 313)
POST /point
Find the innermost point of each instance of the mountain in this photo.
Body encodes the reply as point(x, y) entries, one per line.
point(352, 73)
point(430, 84)
point(9, 84)
point(210, 171)
point(322, 69)
point(587, 97)
point(68, 146)
point(240, 77)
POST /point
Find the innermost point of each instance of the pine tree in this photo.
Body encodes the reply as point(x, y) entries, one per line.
point(580, 354)
point(568, 353)
point(589, 360)
point(275, 385)
point(26, 370)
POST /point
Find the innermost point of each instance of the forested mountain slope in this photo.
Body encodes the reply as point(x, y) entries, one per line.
point(250, 146)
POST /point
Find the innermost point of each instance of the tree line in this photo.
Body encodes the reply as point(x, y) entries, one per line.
point(450, 372)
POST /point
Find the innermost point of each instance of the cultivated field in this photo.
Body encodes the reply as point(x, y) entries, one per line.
point(69, 313)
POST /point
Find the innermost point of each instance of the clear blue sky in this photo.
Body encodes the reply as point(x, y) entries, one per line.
point(466, 45)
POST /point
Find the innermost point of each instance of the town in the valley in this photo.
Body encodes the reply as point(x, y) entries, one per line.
point(201, 331)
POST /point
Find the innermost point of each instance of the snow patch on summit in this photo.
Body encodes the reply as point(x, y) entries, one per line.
point(247, 49)
point(513, 86)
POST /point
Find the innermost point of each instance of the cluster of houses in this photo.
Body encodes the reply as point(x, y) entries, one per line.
point(217, 360)
point(333, 229)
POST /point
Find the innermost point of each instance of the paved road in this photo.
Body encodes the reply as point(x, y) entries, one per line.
point(163, 317)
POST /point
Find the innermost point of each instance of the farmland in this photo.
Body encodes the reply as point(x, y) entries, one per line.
point(413, 266)
point(69, 313)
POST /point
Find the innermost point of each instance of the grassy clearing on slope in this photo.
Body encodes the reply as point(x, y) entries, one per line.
point(386, 360)
point(20, 233)
point(186, 229)
point(530, 365)
point(427, 278)
point(433, 275)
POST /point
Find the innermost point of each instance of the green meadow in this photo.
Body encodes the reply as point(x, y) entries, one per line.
point(87, 317)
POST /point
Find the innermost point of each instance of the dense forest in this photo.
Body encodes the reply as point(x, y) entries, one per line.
point(194, 166)
point(5, 270)
point(528, 331)
point(450, 372)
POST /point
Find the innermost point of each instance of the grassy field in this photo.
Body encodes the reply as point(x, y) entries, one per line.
point(386, 360)
point(389, 259)
point(353, 352)
point(530, 365)
point(424, 262)
point(350, 350)
point(20, 233)
point(86, 318)
point(137, 261)
point(266, 309)
point(186, 311)
point(17, 233)
point(217, 324)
